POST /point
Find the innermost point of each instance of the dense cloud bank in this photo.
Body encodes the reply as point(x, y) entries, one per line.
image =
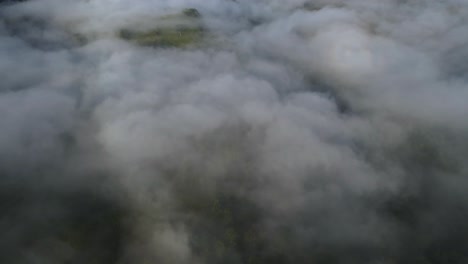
point(325, 131)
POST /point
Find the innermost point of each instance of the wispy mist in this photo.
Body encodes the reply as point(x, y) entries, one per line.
point(299, 131)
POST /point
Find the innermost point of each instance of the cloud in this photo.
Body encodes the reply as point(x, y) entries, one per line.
point(307, 131)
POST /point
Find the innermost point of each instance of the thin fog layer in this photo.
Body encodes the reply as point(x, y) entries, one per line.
point(325, 131)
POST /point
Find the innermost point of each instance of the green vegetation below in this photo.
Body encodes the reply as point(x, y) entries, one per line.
point(164, 37)
point(176, 30)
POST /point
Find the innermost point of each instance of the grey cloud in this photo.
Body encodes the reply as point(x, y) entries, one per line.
point(309, 131)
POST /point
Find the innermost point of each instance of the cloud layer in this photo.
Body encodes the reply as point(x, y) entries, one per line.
point(324, 131)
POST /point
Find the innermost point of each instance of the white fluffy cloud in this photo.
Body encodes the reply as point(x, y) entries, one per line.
point(341, 122)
